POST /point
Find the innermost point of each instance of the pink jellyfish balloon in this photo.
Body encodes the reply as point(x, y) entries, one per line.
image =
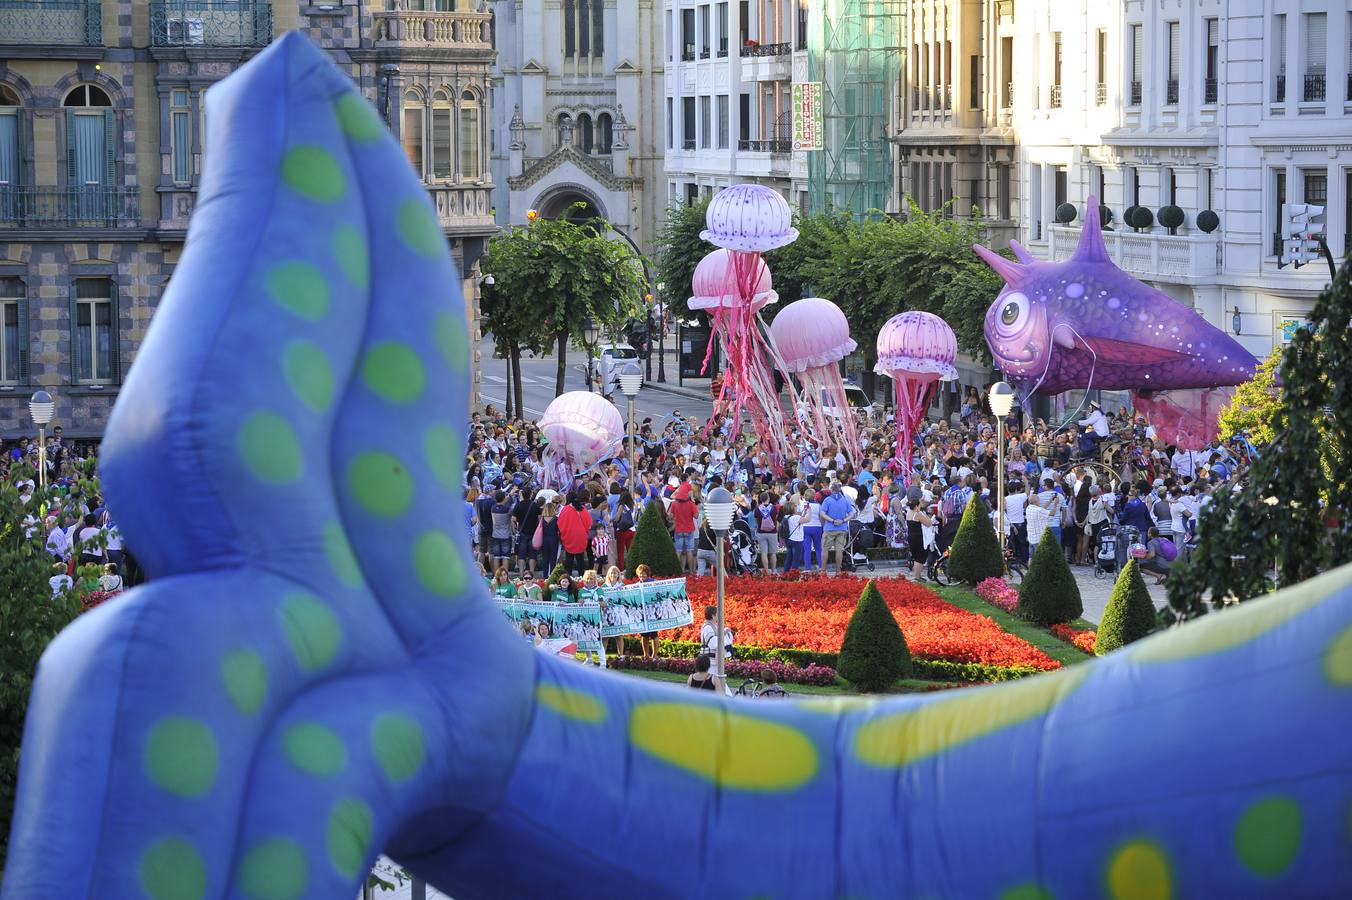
point(812, 336)
point(732, 285)
point(916, 350)
point(582, 428)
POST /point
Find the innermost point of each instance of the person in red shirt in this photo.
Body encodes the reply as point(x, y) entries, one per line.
point(574, 534)
point(684, 512)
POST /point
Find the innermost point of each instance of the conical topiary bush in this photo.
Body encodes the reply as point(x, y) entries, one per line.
point(653, 545)
point(1049, 593)
point(874, 653)
point(975, 555)
point(1130, 615)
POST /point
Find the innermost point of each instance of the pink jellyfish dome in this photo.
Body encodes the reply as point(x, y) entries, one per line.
point(917, 345)
point(582, 426)
point(811, 332)
point(715, 284)
point(749, 217)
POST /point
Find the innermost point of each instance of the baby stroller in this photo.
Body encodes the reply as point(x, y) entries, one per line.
point(742, 556)
point(860, 539)
point(1106, 560)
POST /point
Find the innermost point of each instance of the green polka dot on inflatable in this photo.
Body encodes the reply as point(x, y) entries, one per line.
point(300, 288)
point(172, 869)
point(441, 447)
point(381, 483)
point(341, 558)
point(357, 118)
point(314, 749)
point(1338, 659)
point(438, 564)
point(394, 372)
point(269, 447)
point(452, 343)
point(311, 629)
point(274, 870)
point(181, 756)
point(313, 172)
point(419, 229)
point(349, 248)
point(1267, 836)
point(309, 374)
point(398, 744)
point(349, 836)
point(1028, 891)
point(245, 679)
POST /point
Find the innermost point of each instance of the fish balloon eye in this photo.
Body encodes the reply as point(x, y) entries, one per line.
point(1013, 314)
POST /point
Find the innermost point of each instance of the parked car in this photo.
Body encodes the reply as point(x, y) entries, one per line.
point(613, 361)
point(859, 401)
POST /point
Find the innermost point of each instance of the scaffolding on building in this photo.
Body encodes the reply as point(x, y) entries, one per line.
point(854, 50)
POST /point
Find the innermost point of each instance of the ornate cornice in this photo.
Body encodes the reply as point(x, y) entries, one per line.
point(587, 164)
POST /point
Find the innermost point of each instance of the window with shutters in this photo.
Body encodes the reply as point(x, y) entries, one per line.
point(1134, 76)
point(12, 124)
point(687, 34)
point(723, 116)
point(470, 136)
point(94, 331)
point(443, 163)
point(413, 130)
point(722, 19)
point(1279, 58)
point(1212, 63)
point(705, 38)
point(687, 123)
point(180, 136)
point(706, 132)
point(14, 341)
point(1316, 57)
point(1171, 32)
point(91, 155)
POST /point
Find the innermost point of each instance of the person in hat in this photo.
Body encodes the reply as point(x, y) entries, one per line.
point(1095, 429)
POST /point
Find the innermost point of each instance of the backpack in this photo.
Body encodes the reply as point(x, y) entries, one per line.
point(1168, 552)
point(626, 521)
point(767, 520)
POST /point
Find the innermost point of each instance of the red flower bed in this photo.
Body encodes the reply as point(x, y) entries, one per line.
point(811, 612)
point(1083, 639)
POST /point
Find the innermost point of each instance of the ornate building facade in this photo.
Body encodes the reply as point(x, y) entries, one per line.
point(102, 125)
point(576, 112)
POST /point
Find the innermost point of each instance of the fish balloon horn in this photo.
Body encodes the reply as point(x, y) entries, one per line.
point(1091, 248)
point(1013, 273)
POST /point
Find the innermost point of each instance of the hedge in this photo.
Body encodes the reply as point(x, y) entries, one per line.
point(873, 654)
point(975, 555)
point(1130, 614)
point(1049, 593)
point(653, 546)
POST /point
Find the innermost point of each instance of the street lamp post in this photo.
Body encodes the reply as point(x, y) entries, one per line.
point(42, 408)
point(662, 336)
point(630, 382)
point(1002, 401)
point(719, 509)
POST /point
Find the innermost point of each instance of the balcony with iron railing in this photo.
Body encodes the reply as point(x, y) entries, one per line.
point(57, 207)
point(1279, 89)
point(1212, 91)
point(723, 48)
point(210, 23)
point(773, 145)
point(1056, 96)
point(1315, 87)
point(1134, 95)
point(55, 22)
point(755, 49)
point(436, 30)
point(1171, 92)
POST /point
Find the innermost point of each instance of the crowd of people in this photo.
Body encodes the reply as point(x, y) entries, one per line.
point(1106, 470)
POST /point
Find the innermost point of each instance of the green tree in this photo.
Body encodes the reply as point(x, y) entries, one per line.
point(679, 250)
point(558, 276)
point(874, 653)
point(652, 545)
point(975, 555)
point(1049, 593)
point(1130, 615)
point(1255, 407)
point(1290, 516)
point(30, 617)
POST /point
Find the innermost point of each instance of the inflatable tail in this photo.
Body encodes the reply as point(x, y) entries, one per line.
point(316, 674)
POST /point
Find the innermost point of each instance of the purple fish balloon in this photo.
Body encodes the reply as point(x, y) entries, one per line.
point(1084, 323)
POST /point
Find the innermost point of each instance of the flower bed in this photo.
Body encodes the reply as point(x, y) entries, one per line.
point(811, 612)
point(785, 673)
point(998, 592)
point(1082, 638)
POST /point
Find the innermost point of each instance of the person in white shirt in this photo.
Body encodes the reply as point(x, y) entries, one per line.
point(1015, 522)
point(58, 543)
point(1096, 420)
point(1037, 520)
point(60, 581)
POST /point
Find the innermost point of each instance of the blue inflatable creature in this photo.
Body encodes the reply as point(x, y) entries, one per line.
point(316, 675)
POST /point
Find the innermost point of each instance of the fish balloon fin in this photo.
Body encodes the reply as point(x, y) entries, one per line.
point(1021, 253)
point(1013, 273)
point(1110, 350)
point(1091, 247)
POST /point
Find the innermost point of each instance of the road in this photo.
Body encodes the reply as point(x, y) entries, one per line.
point(538, 386)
